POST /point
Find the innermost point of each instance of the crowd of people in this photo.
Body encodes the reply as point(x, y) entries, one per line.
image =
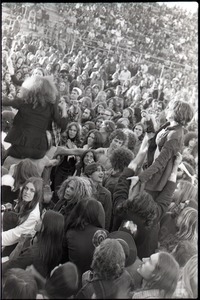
point(99, 153)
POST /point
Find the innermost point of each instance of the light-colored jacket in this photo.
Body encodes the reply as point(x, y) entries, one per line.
point(12, 236)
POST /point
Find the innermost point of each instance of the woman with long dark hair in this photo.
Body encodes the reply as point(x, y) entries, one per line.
point(70, 138)
point(25, 215)
point(87, 217)
point(45, 250)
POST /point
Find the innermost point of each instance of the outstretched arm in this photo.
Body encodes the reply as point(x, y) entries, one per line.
point(61, 150)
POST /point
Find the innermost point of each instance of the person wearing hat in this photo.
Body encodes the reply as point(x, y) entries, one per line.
point(95, 172)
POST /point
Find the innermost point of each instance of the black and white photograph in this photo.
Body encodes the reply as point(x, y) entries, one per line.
point(99, 150)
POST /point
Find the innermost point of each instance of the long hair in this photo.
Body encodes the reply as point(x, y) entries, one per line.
point(77, 139)
point(81, 166)
point(98, 141)
point(50, 238)
point(39, 90)
point(85, 212)
point(23, 171)
point(186, 191)
point(187, 224)
point(25, 208)
point(83, 189)
point(166, 275)
point(190, 276)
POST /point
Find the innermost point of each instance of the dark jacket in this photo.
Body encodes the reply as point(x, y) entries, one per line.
point(146, 239)
point(29, 256)
point(79, 248)
point(158, 172)
point(106, 289)
point(104, 196)
point(30, 125)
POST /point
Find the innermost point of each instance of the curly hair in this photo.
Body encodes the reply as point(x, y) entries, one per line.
point(189, 136)
point(83, 188)
point(183, 112)
point(118, 134)
point(39, 90)
point(131, 139)
point(120, 158)
point(108, 260)
point(143, 206)
point(77, 138)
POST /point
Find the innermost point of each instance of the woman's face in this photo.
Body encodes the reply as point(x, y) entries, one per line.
point(98, 123)
point(88, 159)
point(28, 192)
point(72, 132)
point(70, 190)
point(138, 130)
point(148, 266)
point(90, 140)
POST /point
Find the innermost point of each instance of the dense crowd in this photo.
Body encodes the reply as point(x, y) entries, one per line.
point(99, 152)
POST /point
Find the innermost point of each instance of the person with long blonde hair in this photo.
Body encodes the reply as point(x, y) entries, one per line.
point(186, 229)
point(187, 285)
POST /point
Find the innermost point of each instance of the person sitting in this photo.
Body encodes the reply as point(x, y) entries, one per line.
point(44, 251)
point(160, 274)
point(25, 215)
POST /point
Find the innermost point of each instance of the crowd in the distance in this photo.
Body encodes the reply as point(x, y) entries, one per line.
point(99, 157)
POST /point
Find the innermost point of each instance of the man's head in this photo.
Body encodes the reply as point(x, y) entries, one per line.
point(75, 93)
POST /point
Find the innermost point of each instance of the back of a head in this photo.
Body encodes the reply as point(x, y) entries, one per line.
point(120, 158)
point(23, 171)
point(109, 259)
point(63, 282)
point(183, 251)
point(19, 284)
